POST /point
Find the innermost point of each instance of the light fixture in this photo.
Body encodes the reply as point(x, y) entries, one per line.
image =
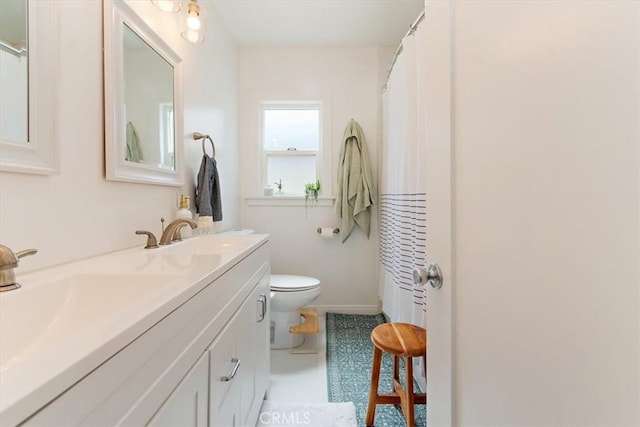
point(192, 22)
point(170, 6)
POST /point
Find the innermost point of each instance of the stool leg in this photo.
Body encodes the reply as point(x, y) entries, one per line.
point(396, 376)
point(396, 369)
point(408, 403)
point(373, 386)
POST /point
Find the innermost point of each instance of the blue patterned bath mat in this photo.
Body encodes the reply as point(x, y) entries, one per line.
point(349, 352)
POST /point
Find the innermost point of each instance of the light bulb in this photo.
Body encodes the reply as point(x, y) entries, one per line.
point(169, 6)
point(193, 22)
point(192, 36)
point(165, 5)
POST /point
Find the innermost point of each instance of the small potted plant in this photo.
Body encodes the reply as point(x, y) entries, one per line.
point(311, 191)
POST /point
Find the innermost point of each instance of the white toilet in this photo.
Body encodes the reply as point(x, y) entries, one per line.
point(288, 295)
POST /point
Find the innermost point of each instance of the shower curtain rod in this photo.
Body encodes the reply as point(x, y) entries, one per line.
point(412, 29)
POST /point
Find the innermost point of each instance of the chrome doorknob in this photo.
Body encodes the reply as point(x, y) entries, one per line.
point(432, 275)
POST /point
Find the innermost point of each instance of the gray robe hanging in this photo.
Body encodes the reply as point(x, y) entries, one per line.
point(208, 190)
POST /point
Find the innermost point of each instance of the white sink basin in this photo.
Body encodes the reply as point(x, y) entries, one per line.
point(37, 316)
point(163, 260)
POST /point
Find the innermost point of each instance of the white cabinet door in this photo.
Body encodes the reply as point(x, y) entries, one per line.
point(253, 350)
point(224, 391)
point(245, 338)
point(239, 373)
point(261, 341)
point(187, 405)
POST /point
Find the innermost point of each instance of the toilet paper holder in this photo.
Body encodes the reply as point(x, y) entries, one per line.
point(335, 230)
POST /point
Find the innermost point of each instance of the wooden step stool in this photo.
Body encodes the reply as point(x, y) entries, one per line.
point(308, 326)
point(400, 340)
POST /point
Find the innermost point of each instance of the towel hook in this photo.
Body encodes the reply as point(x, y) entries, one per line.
point(198, 135)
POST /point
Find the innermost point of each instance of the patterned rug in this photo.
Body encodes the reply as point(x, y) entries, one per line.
point(349, 351)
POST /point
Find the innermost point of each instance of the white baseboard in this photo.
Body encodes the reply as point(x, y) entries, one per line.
point(347, 309)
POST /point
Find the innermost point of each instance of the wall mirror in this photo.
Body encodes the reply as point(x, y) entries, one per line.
point(143, 101)
point(28, 81)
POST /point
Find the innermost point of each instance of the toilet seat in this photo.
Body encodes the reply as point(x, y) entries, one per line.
point(292, 283)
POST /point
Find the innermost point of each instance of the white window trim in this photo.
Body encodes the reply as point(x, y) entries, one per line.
point(323, 155)
point(289, 201)
point(251, 153)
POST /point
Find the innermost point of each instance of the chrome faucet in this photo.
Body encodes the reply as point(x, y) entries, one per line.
point(177, 237)
point(9, 261)
point(151, 239)
point(175, 225)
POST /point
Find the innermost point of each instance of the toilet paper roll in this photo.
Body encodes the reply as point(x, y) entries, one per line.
point(326, 233)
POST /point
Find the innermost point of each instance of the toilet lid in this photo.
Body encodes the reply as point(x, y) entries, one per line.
point(289, 283)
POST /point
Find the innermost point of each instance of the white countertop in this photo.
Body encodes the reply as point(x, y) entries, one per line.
point(66, 320)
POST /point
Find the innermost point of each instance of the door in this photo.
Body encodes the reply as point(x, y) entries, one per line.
point(533, 210)
point(436, 172)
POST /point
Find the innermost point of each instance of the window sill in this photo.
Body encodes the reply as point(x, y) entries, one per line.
point(289, 201)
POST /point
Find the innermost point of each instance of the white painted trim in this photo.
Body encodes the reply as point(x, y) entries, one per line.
point(39, 155)
point(323, 201)
point(256, 176)
point(347, 309)
point(117, 13)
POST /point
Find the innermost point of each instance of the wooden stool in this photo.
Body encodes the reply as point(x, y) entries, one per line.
point(310, 323)
point(308, 327)
point(400, 340)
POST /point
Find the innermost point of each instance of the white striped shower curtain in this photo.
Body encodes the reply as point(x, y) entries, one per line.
point(403, 217)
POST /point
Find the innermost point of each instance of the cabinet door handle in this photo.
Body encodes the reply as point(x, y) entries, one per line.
point(234, 371)
point(263, 305)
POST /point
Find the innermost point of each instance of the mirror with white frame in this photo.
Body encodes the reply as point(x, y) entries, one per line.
point(28, 77)
point(143, 101)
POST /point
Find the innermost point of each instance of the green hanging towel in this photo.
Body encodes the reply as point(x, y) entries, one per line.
point(355, 186)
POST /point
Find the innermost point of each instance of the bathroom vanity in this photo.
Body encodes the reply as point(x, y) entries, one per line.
point(177, 335)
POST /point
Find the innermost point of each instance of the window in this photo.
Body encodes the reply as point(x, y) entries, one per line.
point(291, 144)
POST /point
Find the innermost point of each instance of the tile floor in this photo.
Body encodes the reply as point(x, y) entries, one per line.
point(300, 377)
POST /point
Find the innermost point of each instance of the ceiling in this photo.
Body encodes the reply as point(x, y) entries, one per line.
point(316, 23)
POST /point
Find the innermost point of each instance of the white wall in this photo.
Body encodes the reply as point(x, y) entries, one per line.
point(211, 107)
point(350, 80)
point(546, 142)
point(77, 213)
